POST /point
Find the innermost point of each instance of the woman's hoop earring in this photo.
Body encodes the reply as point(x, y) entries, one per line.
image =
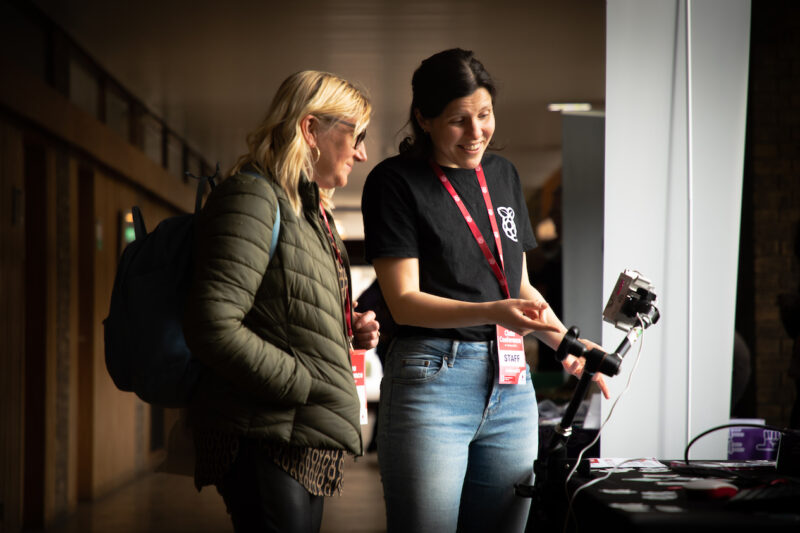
point(317, 155)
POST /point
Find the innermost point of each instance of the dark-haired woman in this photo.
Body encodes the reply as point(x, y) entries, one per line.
point(446, 229)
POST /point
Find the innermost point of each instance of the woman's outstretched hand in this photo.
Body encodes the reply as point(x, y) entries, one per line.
point(524, 316)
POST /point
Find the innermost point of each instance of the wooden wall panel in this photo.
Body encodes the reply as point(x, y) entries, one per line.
point(87, 437)
point(50, 312)
point(60, 319)
point(60, 327)
point(35, 327)
point(12, 326)
point(71, 489)
point(118, 447)
point(114, 412)
point(86, 326)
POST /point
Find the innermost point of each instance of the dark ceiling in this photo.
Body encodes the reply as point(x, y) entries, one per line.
point(210, 68)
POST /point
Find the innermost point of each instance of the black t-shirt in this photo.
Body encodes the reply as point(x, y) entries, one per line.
point(408, 213)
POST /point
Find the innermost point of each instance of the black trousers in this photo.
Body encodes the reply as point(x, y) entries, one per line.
point(261, 497)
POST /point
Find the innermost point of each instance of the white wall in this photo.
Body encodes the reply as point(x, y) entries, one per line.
point(681, 386)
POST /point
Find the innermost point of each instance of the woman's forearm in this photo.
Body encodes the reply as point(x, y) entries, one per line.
point(399, 281)
point(416, 308)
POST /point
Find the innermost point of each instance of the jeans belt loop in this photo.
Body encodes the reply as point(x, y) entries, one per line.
point(451, 359)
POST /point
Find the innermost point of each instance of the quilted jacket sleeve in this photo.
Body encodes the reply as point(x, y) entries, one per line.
point(232, 240)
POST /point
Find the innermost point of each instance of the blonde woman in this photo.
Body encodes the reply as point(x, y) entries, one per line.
point(276, 409)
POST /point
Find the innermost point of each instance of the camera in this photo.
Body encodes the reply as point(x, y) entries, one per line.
point(633, 299)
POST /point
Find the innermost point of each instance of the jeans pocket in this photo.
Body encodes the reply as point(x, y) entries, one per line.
point(418, 362)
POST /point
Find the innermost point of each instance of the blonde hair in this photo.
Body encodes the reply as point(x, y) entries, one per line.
point(277, 146)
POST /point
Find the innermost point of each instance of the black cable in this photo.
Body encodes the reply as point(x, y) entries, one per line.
point(703, 434)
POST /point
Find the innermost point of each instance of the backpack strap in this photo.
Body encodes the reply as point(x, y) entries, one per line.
point(276, 226)
point(139, 229)
point(201, 186)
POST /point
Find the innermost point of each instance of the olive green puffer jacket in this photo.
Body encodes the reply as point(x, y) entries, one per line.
point(273, 338)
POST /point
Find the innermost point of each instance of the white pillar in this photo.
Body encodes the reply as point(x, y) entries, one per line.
point(669, 155)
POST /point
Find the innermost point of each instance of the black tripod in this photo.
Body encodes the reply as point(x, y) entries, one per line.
point(549, 504)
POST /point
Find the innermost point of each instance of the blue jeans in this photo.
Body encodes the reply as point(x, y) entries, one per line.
point(452, 442)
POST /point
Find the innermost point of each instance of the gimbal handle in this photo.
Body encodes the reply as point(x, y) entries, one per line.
point(596, 361)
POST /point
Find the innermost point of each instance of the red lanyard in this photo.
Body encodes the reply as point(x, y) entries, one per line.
point(341, 262)
point(487, 253)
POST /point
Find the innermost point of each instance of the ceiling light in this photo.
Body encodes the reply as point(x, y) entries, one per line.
point(577, 106)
